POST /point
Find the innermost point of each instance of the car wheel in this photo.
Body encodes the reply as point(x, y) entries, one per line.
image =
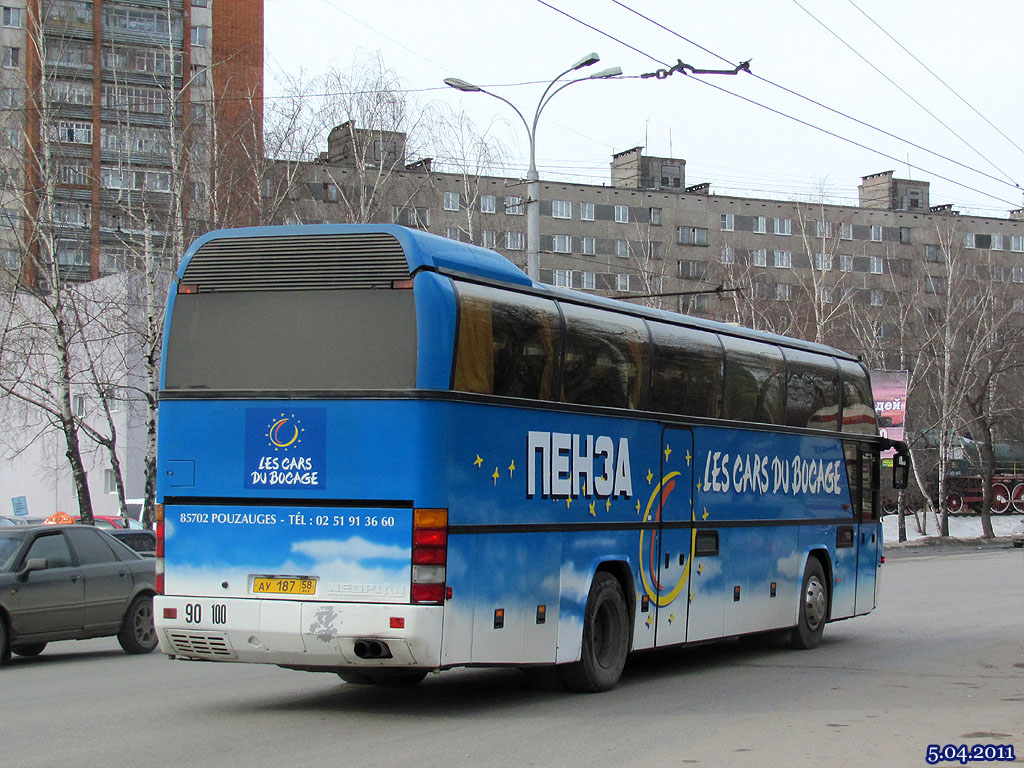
point(28, 649)
point(5, 649)
point(137, 634)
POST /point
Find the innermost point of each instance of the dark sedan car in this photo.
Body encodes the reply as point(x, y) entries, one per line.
point(72, 582)
point(142, 541)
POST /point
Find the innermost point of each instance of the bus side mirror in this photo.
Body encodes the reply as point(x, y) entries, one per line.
point(900, 470)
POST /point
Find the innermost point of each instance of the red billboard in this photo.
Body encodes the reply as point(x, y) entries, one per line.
point(890, 391)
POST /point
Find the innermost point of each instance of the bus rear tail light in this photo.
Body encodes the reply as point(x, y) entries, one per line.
point(429, 555)
point(402, 284)
point(158, 512)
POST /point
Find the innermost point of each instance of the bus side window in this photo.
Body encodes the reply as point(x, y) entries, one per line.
point(687, 373)
point(508, 343)
point(854, 475)
point(869, 486)
point(812, 390)
point(605, 357)
point(754, 381)
point(858, 403)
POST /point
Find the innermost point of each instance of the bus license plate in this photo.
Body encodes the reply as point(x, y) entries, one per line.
point(280, 586)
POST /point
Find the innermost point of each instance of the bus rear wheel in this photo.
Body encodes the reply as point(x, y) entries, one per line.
point(605, 638)
point(813, 610)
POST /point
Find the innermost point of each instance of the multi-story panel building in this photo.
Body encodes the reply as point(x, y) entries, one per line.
point(108, 109)
point(847, 275)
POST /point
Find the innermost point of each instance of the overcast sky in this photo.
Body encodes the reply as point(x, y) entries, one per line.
point(975, 50)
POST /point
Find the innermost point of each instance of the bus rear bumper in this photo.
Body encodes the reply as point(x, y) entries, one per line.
point(298, 633)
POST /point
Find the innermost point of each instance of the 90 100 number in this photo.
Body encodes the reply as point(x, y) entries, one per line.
point(194, 613)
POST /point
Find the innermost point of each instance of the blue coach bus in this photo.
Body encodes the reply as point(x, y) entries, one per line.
point(384, 453)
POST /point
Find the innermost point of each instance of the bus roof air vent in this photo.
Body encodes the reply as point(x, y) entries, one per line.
point(297, 263)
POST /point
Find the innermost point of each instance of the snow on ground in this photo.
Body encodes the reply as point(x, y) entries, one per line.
point(960, 527)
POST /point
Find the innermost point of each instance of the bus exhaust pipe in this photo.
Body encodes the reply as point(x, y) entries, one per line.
point(371, 649)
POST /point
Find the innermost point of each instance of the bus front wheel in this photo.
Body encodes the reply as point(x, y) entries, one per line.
point(813, 611)
point(605, 638)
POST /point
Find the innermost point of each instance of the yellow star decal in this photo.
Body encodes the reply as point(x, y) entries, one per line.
point(668, 451)
point(608, 505)
point(638, 506)
point(671, 618)
point(648, 622)
point(592, 512)
point(706, 513)
point(691, 597)
point(688, 458)
point(700, 569)
point(698, 485)
point(496, 475)
point(649, 476)
point(511, 468)
point(568, 501)
point(478, 461)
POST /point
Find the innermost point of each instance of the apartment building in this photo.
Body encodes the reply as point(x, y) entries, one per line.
point(109, 109)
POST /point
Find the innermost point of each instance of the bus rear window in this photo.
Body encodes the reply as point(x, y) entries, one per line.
point(292, 340)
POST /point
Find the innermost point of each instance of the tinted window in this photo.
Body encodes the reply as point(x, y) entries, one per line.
point(53, 548)
point(687, 374)
point(509, 344)
point(812, 390)
point(9, 544)
point(351, 339)
point(754, 377)
point(605, 358)
point(90, 546)
point(858, 403)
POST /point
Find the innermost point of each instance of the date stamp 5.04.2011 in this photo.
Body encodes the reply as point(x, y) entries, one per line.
point(969, 753)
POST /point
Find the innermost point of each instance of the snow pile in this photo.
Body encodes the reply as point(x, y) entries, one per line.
point(960, 527)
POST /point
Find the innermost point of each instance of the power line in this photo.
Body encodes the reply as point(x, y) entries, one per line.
point(793, 118)
point(928, 69)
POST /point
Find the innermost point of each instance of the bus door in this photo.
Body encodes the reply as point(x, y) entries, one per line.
point(868, 532)
point(667, 556)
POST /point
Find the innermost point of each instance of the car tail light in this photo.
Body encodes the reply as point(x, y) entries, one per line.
point(158, 512)
point(429, 555)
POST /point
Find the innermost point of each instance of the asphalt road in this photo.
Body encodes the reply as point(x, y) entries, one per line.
point(940, 662)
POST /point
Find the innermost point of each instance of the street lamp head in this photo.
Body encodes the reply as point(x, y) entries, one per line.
point(586, 61)
point(606, 73)
point(461, 85)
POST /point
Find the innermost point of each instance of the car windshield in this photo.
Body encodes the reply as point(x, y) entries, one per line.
point(10, 541)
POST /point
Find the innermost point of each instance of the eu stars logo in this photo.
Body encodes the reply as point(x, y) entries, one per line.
point(284, 432)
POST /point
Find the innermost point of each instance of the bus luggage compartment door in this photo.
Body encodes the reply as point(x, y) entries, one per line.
point(340, 554)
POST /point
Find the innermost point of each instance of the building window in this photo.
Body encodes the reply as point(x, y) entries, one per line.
point(10, 57)
point(490, 239)
point(452, 233)
point(561, 209)
point(876, 265)
point(622, 249)
point(514, 205)
point(760, 225)
point(451, 201)
point(109, 481)
point(563, 278)
point(200, 3)
point(783, 226)
point(586, 211)
point(728, 256)
point(846, 231)
point(622, 214)
point(488, 203)
point(845, 262)
point(905, 235)
point(823, 262)
point(331, 192)
point(199, 74)
point(78, 405)
point(622, 282)
point(933, 253)
point(823, 228)
point(998, 274)
point(997, 242)
point(1017, 274)
point(728, 222)
point(561, 244)
point(515, 241)
point(1017, 243)
point(968, 239)
point(826, 295)
point(760, 257)
point(588, 246)
point(783, 292)
point(200, 37)
point(12, 17)
point(655, 216)
point(877, 298)
point(876, 233)
point(692, 235)
point(783, 259)
point(588, 281)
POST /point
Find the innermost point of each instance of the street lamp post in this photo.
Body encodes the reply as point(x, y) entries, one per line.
point(532, 177)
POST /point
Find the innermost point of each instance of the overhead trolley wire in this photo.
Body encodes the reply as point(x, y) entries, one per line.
point(792, 117)
point(929, 71)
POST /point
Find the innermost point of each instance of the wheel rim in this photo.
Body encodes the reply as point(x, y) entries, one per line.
point(815, 603)
point(144, 630)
